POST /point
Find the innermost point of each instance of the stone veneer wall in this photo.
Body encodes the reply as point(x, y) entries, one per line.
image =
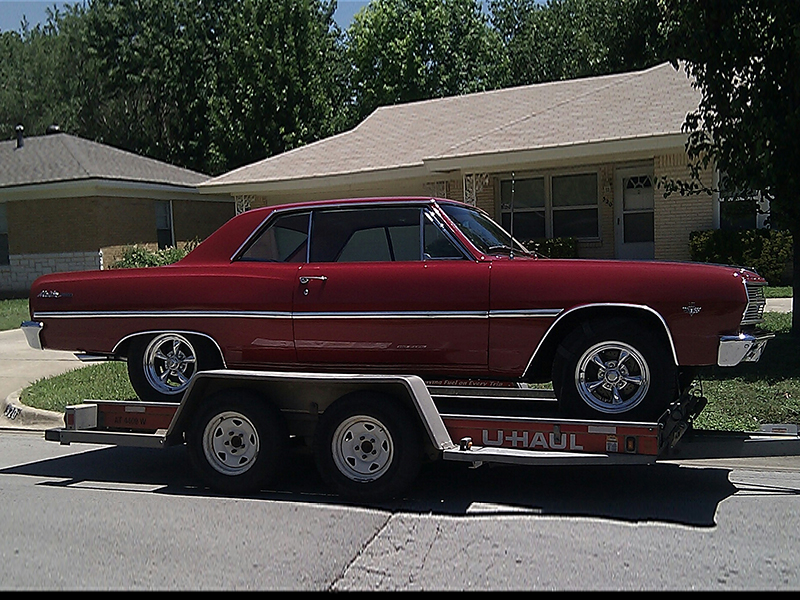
point(18, 276)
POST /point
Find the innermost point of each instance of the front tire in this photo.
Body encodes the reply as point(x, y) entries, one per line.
point(368, 447)
point(238, 442)
point(614, 369)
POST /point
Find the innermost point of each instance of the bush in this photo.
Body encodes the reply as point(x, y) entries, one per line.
point(554, 247)
point(765, 250)
point(140, 256)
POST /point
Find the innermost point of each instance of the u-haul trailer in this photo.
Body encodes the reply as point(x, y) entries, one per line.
point(369, 433)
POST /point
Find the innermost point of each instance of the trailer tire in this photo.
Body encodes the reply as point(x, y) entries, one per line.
point(237, 442)
point(614, 368)
point(368, 447)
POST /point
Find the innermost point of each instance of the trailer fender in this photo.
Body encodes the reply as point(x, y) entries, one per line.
point(294, 392)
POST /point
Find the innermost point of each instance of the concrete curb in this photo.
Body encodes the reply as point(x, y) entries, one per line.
point(15, 415)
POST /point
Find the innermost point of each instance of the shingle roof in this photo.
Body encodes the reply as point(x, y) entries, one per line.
point(648, 103)
point(61, 157)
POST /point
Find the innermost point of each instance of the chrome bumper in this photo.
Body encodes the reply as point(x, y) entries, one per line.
point(32, 330)
point(745, 347)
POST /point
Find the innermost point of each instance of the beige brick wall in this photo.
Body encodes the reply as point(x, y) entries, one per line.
point(88, 224)
point(677, 216)
point(198, 220)
point(78, 224)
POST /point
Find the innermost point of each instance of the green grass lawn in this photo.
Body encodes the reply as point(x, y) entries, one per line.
point(13, 313)
point(739, 398)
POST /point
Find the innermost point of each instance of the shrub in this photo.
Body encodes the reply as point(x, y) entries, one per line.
point(140, 256)
point(765, 250)
point(554, 247)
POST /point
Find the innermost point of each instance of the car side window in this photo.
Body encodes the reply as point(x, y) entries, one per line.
point(284, 240)
point(438, 244)
point(366, 235)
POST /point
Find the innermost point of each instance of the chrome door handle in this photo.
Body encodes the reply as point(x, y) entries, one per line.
point(305, 279)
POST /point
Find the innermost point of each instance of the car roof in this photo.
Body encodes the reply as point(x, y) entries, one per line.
point(221, 245)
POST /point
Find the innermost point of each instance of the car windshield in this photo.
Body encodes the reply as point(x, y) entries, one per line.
point(486, 235)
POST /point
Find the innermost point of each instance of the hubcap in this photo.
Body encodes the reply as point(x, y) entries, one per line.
point(230, 443)
point(362, 448)
point(169, 363)
point(612, 377)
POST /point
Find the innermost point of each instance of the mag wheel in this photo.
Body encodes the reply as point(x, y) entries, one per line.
point(614, 369)
point(237, 443)
point(161, 367)
point(368, 447)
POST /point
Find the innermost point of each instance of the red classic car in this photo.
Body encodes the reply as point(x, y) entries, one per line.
point(407, 285)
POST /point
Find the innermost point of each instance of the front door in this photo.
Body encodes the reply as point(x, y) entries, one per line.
point(374, 294)
point(634, 212)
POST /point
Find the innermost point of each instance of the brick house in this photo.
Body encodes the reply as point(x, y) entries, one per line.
point(69, 204)
point(579, 158)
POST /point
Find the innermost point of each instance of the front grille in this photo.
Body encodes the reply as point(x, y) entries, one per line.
point(754, 313)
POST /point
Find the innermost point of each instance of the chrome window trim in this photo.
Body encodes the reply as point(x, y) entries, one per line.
point(603, 305)
point(422, 202)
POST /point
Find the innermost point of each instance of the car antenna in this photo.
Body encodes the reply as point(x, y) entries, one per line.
point(511, 253)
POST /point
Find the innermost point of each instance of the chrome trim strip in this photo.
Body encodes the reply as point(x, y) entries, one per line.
point(604, 305)
point(410, 314)
point(526, 313)
point(114, 314)
point(211, 314)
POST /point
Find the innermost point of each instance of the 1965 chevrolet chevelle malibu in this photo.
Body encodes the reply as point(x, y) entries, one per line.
point(407, 285)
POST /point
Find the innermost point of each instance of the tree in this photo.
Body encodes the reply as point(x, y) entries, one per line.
point(566, 39)
point(408, 50)
point(205, 84)
point(743, 56)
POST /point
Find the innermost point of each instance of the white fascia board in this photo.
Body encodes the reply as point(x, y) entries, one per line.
point(318, 181)
point(600, 151)
point(91, 188)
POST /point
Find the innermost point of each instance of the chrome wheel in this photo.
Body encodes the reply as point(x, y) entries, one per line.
point(230, 443)
point(362, 448)
point(612, 377)
point(169, 362)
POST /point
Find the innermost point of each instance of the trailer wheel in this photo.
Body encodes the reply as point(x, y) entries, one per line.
point(368, 447)
point(614, 368)
point(237, 442)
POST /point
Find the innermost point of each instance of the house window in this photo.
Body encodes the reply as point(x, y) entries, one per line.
point(164, 233)
point(551, 206)
point(4, 256)
point(741, 209)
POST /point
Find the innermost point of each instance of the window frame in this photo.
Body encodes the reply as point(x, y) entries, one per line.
point(549, 208)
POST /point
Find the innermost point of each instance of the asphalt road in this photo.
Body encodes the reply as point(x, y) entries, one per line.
point(88, 517)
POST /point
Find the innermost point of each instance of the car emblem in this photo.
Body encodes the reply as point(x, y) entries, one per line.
point(692, 309)
point(54, 294)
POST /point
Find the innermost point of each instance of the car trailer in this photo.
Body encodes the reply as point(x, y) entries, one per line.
point(369, 433)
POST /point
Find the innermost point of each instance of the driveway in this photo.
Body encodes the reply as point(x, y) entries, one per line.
point(21, 365)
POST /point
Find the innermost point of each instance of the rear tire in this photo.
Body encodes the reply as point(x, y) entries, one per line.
point(368, 447)
point(614, 369)
point(238, 442)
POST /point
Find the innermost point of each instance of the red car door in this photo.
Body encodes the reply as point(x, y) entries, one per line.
point(371, 296)
point(426, 314)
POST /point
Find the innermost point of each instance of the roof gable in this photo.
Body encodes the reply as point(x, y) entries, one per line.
point(416, 135)
point(61, 157)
